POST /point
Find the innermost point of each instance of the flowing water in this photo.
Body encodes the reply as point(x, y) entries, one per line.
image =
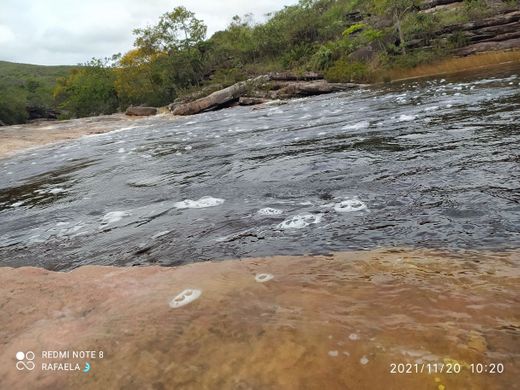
point(422, 179)
point(432, 163)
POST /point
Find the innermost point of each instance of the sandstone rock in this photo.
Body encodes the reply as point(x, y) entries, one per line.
point(141, 111)
point(489, 46)
point(288, 76)
point(301, 89)
point(260, 90)
point(251, 101)
point(365, 54)
point(218, 99)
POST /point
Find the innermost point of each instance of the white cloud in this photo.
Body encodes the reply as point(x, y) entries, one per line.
point(6, 35)
point(55, 32)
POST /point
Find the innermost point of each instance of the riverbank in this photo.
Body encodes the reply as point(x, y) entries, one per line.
point(19, 138)
point(334, 322)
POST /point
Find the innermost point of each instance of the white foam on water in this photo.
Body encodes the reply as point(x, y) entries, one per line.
point(262, 278)
point(269, 211)
point(349, 205)
point(300, 221)
point(160, 234)
point(56, 191)
point(357, 126)
point(205, 201)
point(363, 360)
point(406, 118)
point(333, 353)
point(353, 336)
point(114, 216)
point(121, 150)
point(185, 297)
point(17, 204)
point(433, 108)
point(188, 147)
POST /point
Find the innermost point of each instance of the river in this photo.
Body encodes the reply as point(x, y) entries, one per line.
point(404, 200)
point(430, 163)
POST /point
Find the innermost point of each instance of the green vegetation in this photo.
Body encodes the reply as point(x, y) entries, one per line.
point(346, 40)
point(24, 85)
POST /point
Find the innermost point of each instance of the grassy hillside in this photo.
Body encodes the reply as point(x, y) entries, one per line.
point(23, 85)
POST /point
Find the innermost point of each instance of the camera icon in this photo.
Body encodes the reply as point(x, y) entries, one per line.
point(25, 361)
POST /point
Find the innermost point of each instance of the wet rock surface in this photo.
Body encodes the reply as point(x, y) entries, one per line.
point(333, 322)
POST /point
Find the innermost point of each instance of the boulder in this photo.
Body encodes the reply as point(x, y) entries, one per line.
point(2, 123)
point(301, 89)
point(218, 99)
point(41, 112)
point(141, 111)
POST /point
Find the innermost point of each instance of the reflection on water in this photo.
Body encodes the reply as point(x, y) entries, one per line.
point(328, 322)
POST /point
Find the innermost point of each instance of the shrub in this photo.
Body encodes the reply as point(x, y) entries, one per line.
point(343, 72)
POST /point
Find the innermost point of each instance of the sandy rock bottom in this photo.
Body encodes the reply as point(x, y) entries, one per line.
point(347, 321)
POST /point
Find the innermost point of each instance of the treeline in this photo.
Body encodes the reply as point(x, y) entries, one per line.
point(346, 40)
point(27, 90)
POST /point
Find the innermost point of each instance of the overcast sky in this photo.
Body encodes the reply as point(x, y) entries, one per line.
point(67, 32)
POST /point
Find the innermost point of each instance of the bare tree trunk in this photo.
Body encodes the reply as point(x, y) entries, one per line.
point(401, 35)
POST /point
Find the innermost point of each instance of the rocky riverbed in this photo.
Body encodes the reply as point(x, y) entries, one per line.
point(336, 322)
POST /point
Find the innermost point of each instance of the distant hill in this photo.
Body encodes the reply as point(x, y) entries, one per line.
point(24, 86)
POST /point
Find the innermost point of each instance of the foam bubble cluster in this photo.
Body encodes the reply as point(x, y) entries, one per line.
point(114, 216)
point(357, 126)
point(205, 201)
point(406, 118)
point(269, 211)
point(185, 297)
point(350, 205)
point(300, 221)
point(262, 278)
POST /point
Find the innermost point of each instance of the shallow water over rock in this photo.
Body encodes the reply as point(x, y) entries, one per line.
point(432, 163)
point(330, 322)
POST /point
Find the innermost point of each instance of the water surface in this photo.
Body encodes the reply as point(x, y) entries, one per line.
point(431, 163)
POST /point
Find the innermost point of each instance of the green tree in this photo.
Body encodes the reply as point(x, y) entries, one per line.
point(88, 90)
point(176, 30)
point(12, 106)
